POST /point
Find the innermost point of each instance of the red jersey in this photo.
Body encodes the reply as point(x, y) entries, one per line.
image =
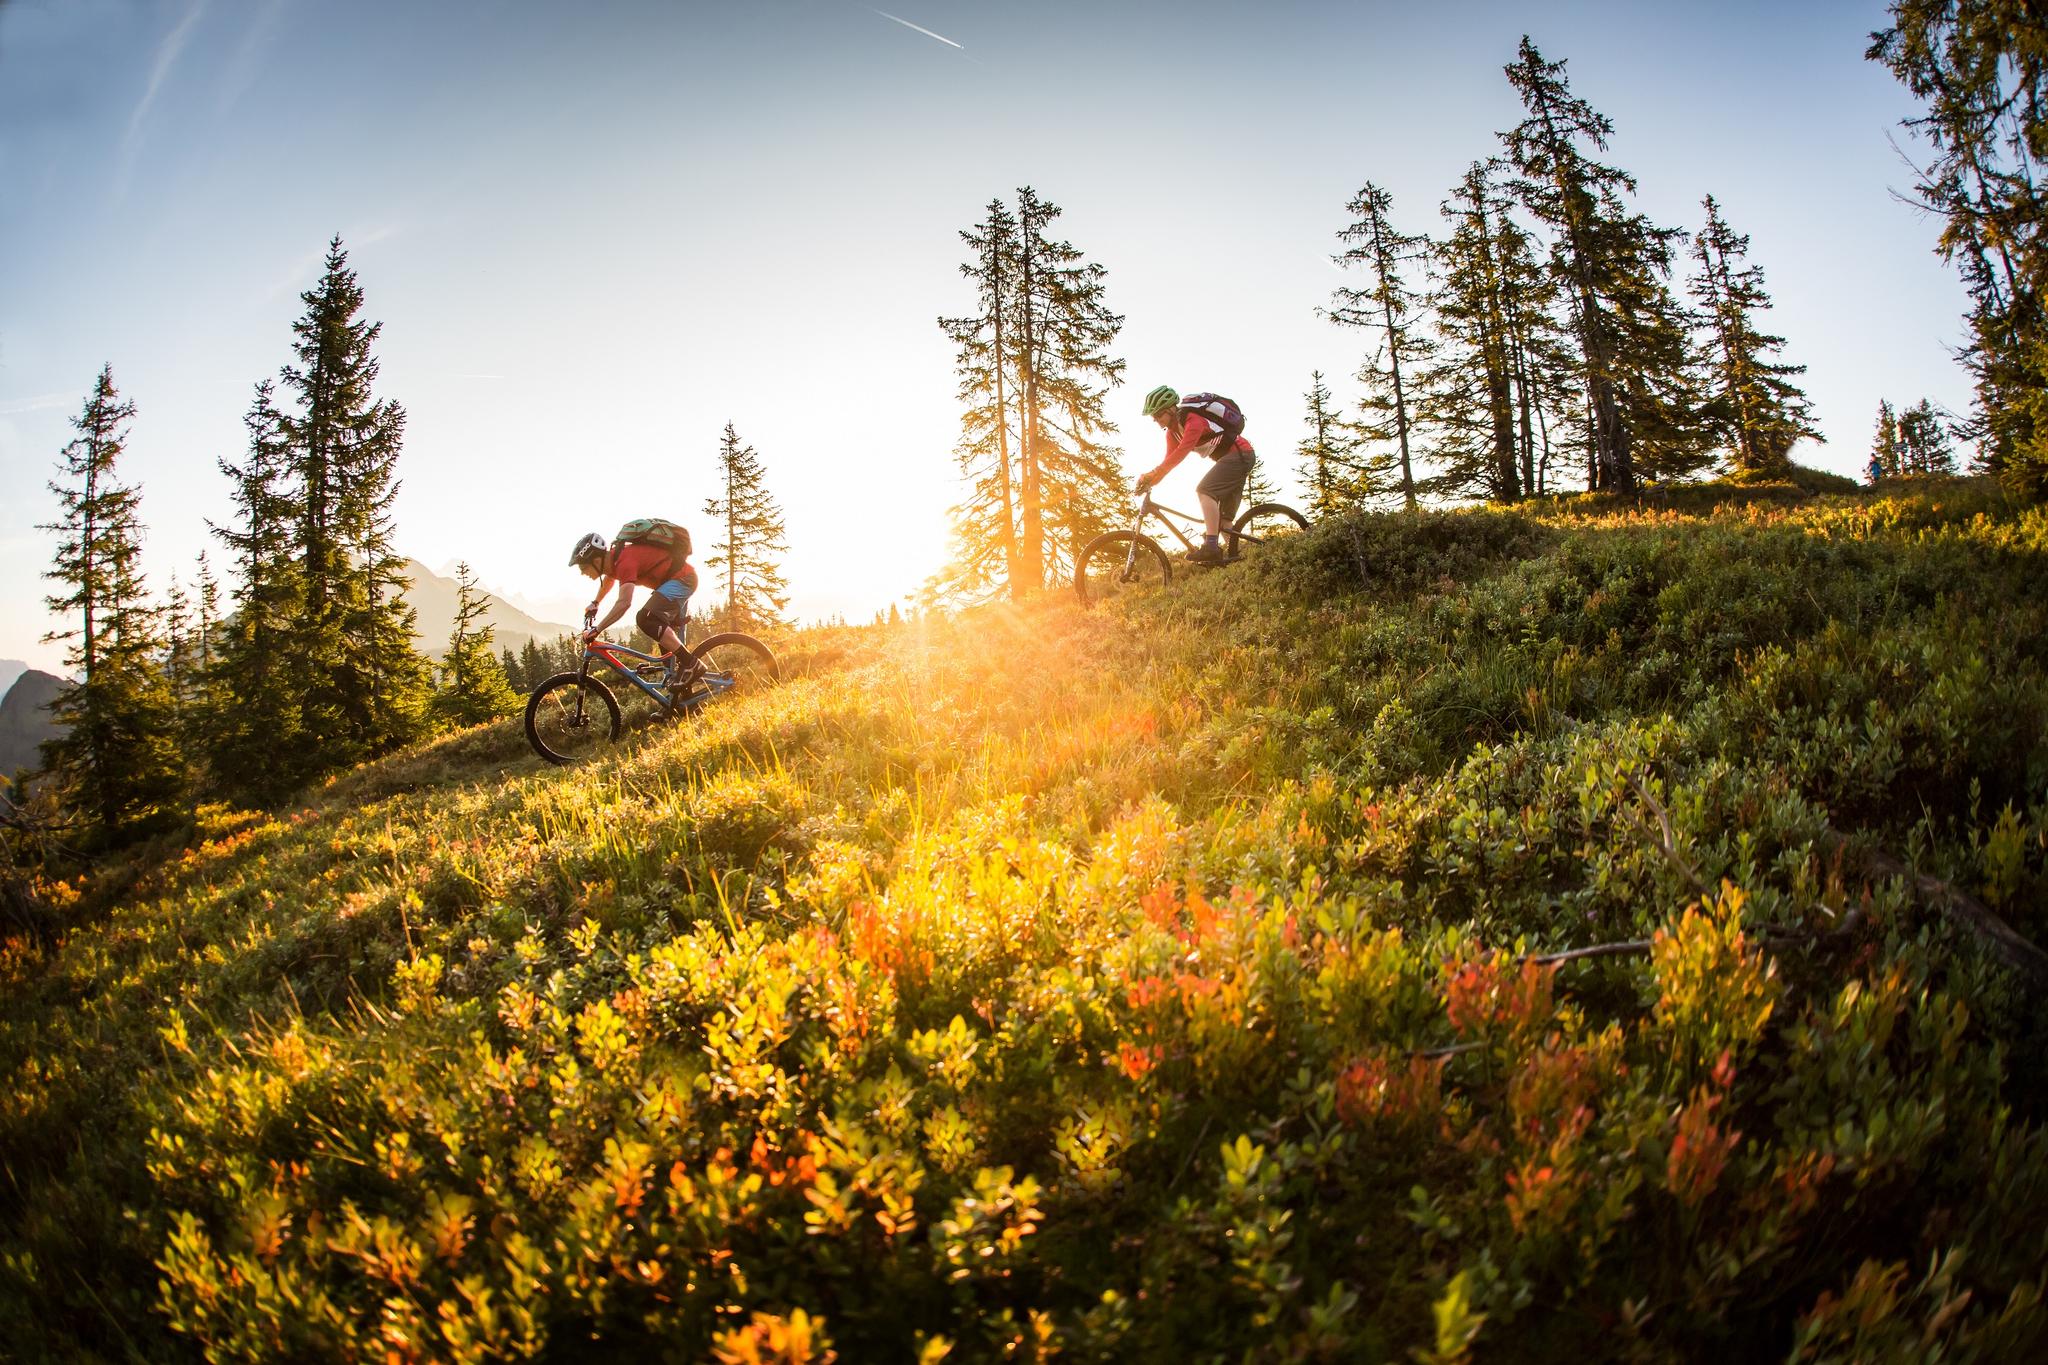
point(648, 566)
point(1196, 433)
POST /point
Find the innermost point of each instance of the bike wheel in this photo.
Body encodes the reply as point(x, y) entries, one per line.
point(733, 665)
point(1260, 525)
point(1120, 564)
point(570, 716)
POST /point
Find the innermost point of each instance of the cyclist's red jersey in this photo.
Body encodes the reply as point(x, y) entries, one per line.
point(649, 566)
point(1196, 433)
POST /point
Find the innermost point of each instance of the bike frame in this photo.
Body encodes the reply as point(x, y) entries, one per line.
point(605, 652)
point(1164, 516)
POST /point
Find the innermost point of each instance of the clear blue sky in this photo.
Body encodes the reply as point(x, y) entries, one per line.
point(595, 233)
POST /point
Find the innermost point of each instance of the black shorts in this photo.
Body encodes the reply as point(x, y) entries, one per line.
point(1225, 481)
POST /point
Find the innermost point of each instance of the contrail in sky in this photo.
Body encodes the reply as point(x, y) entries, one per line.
point(925, 31)
point(166, 58)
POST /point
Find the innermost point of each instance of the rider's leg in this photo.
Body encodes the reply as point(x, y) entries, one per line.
point(1212, 517)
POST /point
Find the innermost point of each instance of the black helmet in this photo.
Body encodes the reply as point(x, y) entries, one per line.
point(591, 544)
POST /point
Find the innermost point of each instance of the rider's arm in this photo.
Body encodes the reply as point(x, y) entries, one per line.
point(1193, 431)
point(624, 600)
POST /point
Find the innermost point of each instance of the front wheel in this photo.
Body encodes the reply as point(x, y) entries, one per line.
point(731, 664)
point(571, 716)
point(1269, 521)
point(1120, 564)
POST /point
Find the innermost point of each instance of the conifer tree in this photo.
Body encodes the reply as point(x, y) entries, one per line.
point(1034, 369)
point(515, 676)
point(473, 686)
point(1925, 447)
point(203, 704)
point(366, 684)
point(534, 665)
point(1614, 266)
point(1387, 306)
point(258, 746)
point(1884, 447)
point(1332, 469)
point(751, 539)
point(1071, 483)
point(1757, 410)
point(1982, 68)
point(985, 521)
point(116, 757)
point(1469, 392)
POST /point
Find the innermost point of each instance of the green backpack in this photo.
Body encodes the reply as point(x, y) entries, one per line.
point(654, 531)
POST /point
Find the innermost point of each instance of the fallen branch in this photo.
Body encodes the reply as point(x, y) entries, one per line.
point(1668, 845)
point(2004, 942)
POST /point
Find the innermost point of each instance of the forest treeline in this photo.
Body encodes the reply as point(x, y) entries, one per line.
point(305, 661)
point(1546, 337)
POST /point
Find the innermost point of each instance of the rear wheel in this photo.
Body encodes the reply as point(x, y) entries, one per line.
point(571, 716)
point(1269, 521)
point(733, 665)
point(1120, 564)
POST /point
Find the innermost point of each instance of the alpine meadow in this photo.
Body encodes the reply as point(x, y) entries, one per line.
point(1531, 847)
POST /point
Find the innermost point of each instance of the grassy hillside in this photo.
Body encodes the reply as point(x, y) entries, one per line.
point(1171, 982)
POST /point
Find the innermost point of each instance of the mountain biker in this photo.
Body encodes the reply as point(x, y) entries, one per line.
point(630, 564)
point(1188, 429)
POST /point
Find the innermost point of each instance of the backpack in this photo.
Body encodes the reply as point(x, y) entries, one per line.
point(1219, 411)
point(654, 531)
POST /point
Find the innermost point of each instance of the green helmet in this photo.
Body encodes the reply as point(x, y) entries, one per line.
point(1159, 400)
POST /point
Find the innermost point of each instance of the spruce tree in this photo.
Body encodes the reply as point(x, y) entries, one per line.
point(534, 665)
point(473, 685)
point(986, 551)
point(751, 538)
point(1925, 447)
point(1071, 484)
point(1469, 391)
point(515, 676)
point(1613, 264)
point(1982, 68)
point(366, 684)
point(258, 747)
point(1884, 447)
point(1034, 369)
point(202, 709)
point(1757, 411)
point(117, 758)
point(1337, 476)
point(1387, 306)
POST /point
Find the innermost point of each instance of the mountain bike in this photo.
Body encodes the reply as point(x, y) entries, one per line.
point(573, 715)
point(1117, 563)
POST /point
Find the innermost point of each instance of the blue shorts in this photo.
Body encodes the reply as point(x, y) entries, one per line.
point(665, 609)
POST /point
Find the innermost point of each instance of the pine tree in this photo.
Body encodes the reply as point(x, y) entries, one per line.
point(1884, 447)
point(258, 746)
point(1034, 368)
point(534, 665)
point(203, 705)
point(366, 684)
point(1071, 483)
point(986, 554)
point(751, 539)
point(1925, 447)
point(1468, 394)
point(1332, 469)
point(1387, 306)
point(473, 686)
point(117, 758)
point(515, 676)
point(1757, 410)
point(1613, 264)
point(1982, 68)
